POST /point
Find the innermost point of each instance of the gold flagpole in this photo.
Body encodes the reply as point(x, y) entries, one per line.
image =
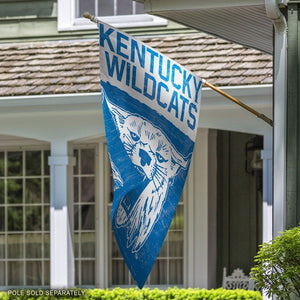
point(90, 17)
point(253, 111)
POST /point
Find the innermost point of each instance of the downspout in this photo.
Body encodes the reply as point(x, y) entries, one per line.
point(279, 111)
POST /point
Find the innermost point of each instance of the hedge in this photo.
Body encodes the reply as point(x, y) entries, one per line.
point(130, 294)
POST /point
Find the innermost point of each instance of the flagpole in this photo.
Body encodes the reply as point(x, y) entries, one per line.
point(90, 17)
point(253, 111)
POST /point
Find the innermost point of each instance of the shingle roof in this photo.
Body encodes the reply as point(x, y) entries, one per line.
point(73, 66)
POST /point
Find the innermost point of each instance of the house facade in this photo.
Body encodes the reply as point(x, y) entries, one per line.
point(55, 177)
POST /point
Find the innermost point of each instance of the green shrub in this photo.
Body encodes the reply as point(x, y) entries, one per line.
point(277, 265)
point(135, 294)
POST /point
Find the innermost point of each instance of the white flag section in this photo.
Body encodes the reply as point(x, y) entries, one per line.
point(151, 106)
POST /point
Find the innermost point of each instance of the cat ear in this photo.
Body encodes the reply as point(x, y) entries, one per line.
point(118, 114)
point(178, 161)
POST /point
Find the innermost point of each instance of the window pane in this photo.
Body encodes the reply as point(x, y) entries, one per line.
point(15, 218)
point(159, 273)
point(124, 7)
point(88, 244)
point(87, 161)
point(76, 217)
point(176, 271)
point(1, 163)
point(176, 244)
point(87, 189)
point(33, 245)
point(177, 221)
point(33, 163)
point(33, 272)
point(14, 191)
point(1, 191)
point(76, 190)
point(115, 248)
point(164, 248)
point(33, 191)
point(15, 244)
point(33, 218)
point(77, 270)
point(46, 218)
point(47, 272)
point(88, 272)
point(46, 190)
point(15, 273)
point(46, 164)
point(105, 8)
point(47, 245)
point(2, 246)
point(85, 6)
point(14, 163)
point(76, 244)
point(2, 219)
point(2, 273)
point(76, 168)
point(87, 217)
point(139, 8)
point(120, 273)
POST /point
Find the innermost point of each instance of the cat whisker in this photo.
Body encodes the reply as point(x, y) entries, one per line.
point(162, 171)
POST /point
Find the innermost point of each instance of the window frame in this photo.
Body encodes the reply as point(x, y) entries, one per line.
point(24, 232)
point(67, 21)
point(79, 147)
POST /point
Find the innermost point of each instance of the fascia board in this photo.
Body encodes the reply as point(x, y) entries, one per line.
point(152, 6)
point(255, 94)
point(48, 100)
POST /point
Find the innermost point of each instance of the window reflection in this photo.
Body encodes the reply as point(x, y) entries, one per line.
point(15, 243)
point(33, 218)
point(1, 163)
point(14, 191)
point(33, 163)
point(15, 273)
point(33, 190)
point(15, 218)
point(33, 272)
point(15, 163)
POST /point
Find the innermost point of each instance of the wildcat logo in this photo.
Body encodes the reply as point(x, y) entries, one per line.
point(158, 162)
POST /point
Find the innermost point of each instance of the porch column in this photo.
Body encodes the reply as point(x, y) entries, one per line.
point(200, 213)
point(61, 215)
point(266, 156)
point(293, 113)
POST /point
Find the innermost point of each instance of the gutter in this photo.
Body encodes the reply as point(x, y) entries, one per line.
point(280, 109)
point(251, 94)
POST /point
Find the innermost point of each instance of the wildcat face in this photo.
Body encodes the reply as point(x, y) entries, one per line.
point(148, 148)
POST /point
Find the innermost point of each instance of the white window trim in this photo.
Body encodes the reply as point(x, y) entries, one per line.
point(66, 20)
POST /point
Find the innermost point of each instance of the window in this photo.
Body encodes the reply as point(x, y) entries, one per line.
point(24, 218)
point(84, 216)
point(168, 267)
point(119, 13)
point(103, 8)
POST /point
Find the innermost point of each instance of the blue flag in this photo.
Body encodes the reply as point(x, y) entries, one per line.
point(151, 106)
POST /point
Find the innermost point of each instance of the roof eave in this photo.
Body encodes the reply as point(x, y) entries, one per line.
point(240, 21)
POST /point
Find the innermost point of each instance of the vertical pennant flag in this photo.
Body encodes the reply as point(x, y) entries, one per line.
point(151, 106)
